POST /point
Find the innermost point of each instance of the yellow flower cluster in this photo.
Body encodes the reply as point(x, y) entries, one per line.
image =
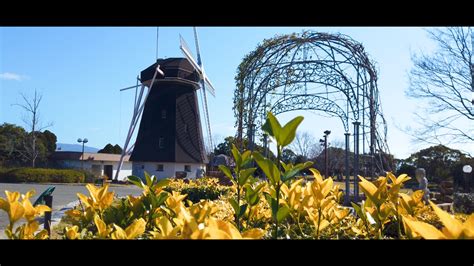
point(18, 209)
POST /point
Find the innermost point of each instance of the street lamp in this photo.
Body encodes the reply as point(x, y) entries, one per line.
point(467, 169)
point(83, 141)
point(326, 134)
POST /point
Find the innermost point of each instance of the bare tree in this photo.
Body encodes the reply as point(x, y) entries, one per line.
point(32, 122)
point(305, 145)
point(337, 143)
point(445, 80)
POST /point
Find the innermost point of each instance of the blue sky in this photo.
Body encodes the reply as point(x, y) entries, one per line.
point(80, 70)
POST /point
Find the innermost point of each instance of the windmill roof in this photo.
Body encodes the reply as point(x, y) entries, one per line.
point(172, 68)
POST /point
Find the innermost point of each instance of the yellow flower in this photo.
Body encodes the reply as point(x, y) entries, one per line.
point(175, 201)
point(14, 209)
point(30, 211)
point(73, 213)
point(99, 198)
point(72, 232)
point(411, 204)
point(134, 230)
point(101, 227)
point(167, 231)
point(454, 229)
point(376, 194)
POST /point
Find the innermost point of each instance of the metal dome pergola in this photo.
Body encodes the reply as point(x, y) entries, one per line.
point(330, 73)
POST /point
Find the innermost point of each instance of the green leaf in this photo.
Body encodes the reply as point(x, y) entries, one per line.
point(244, 175)
point(251, 196)
point(273, 204)
point(283, 211)
point(226, 171)
point(235, 205)
point(237, 156)
point(246, 158)
point(168, 211)
point(162, 183)
point(268, 167)
point(135, 180)
point(288, 132)
point(286, 167)
point(359, 211)
point(259, 187)
point(161, 198)
point(248, 192)
point(295, 170)
point(243, 208)
point(149, 180)
point(272, 127)
point(254, 199)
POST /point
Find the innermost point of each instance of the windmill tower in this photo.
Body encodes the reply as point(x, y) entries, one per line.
point(170, 139)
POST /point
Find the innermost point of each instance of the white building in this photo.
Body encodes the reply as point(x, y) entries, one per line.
point(107, 164)
point(168, 169)
point(98, 163)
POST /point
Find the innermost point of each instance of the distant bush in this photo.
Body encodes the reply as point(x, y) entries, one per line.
point(41, 175)
point(89, 177)
point(464, 202)
point(198, 189)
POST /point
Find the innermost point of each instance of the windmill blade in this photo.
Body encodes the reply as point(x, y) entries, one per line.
point(131, 87)
point(184, 48)
point(206, 114)
point(205, 82)
point(209, 86)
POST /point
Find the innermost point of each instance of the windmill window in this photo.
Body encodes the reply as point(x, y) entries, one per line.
point(161, 142)
point(187, 168)
point(159, 168)
point(163, 114)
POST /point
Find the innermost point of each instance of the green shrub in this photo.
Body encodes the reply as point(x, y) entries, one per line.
point(464, 202)
point(90, 177)
point(41, 175)
point(199, 189)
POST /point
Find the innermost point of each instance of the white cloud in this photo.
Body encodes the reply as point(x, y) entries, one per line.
point(12, 76)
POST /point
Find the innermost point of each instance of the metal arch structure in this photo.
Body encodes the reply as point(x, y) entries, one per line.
point(310, 70)
point(309, 102)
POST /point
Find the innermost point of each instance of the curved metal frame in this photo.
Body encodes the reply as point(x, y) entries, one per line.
point(331, 73)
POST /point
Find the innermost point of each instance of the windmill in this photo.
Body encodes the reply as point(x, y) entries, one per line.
point(170, 139)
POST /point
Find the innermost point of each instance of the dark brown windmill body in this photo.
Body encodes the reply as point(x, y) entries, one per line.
point(170, 140)
point(170, 129)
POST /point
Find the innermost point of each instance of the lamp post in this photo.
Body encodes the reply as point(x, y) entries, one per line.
point(83, 141)
point(323, 145)
point(326, 161)
point(467, 169)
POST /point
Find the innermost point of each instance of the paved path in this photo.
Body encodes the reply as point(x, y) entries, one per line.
point(64, 197)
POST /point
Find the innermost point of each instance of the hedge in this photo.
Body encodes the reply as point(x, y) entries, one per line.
point(464, 202)
point(198, 189)
point(41, 175)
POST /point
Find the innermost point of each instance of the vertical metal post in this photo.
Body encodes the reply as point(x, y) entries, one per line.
point(265, 145)
point(346, 164)
point(466, 183)
point(82, 161)
point(356, 160)
point(326, 156)
point(47, 215)
point(472, 67)
point(372, 131)
point(251, 137)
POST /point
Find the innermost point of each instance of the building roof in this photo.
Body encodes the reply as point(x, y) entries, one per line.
point(88, 156)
